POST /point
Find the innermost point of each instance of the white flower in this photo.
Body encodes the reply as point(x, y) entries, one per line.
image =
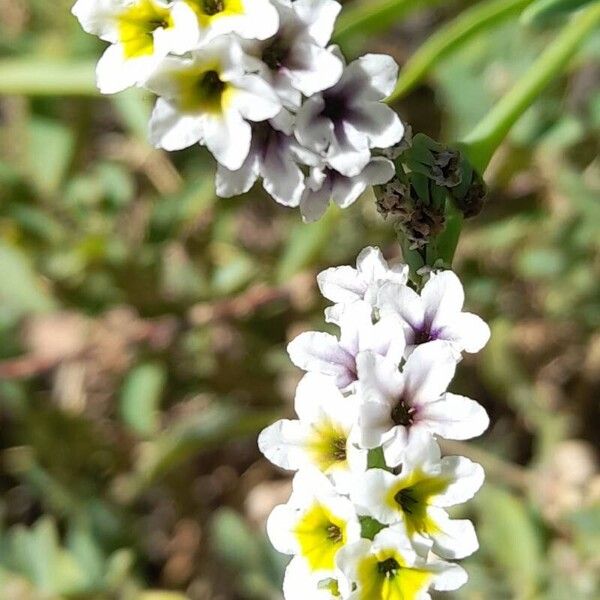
point(300, 584)
point(400, 408)
point(250, 19)
point(344, 122)
point(314, 524)
point(322, 435)
point(436, 314)
point(141, 33)
point(324, 353)
point(345, 284)
point(295, 60)
point(388, 568)
point(208, 98)
point(326, 185)
point(274, 155)
point(417, 497)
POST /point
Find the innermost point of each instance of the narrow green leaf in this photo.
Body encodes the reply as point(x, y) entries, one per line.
point(364, 17)
point(451, 36)
point(36, 77)
point(543, 12)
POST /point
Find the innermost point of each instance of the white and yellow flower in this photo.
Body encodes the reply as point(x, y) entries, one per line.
point(321, 437)
point(141, 34)
point(250, 19)
point(418, 495)
point(314, 525)
point(209, 98)
point(388, 568)
point(300, 584)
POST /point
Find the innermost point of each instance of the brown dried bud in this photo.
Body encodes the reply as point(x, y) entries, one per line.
point(423, 224)
point(393, 198)
point(472, 201)
point(446, 169)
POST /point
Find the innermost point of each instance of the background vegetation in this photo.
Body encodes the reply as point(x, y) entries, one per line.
point(143, 322)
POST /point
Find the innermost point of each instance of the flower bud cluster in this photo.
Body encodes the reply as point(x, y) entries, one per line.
point(257, 83)
point(366, 519)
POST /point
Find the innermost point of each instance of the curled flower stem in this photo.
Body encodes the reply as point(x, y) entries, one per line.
point(453, 35)
point(489, 133)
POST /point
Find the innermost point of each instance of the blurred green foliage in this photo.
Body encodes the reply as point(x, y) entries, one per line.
point(143, 323)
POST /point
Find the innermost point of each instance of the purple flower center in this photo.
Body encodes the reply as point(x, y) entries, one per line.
point(424, 334)
point(276, 53)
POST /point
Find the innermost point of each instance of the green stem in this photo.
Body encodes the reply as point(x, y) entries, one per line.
point(450, 37)
point(363, 17)
point(489, 133)
point(31, 77)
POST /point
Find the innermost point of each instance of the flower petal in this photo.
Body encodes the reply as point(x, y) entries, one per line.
point(455, 417)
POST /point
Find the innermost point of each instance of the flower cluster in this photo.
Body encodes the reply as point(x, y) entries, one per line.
point(256, 82)
point(367, 519)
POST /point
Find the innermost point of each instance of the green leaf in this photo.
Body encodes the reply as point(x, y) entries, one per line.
point(21, 290)
point(509, 534)
point(140, 398)
point(34, 76)
point(50, 149)
point(543, 12)
point(479, 18)
point(363, 17)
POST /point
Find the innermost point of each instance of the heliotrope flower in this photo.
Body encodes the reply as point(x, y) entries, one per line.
point(321, 437)
point(314, 525)
point(295, 60)
point(435, 314)
point(345, 121)
point(250, 19)
point(389, 568)
point(274, 155)
point(300, 584)
point(346, 284)
point(400, 408)
point(325, 185)
point(209, 98)
point(141, 34)
point(322, 352)
point(418, 495)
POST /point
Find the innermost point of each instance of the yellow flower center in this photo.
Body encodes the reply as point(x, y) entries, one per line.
point(320, 534)
point(201, 90)
point(137, 24)
point(208, 11)
point(386, 576)
point(412, 495)
point(327, 446)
